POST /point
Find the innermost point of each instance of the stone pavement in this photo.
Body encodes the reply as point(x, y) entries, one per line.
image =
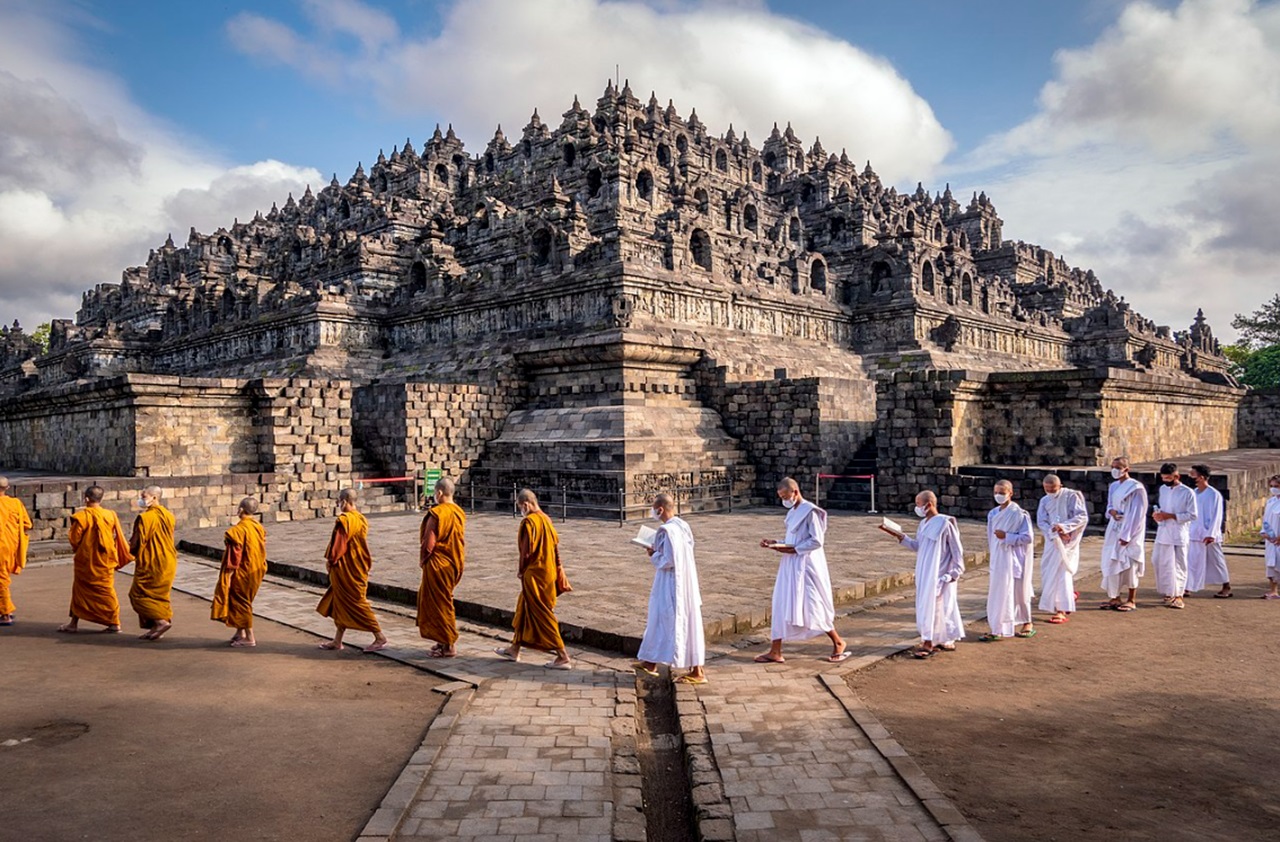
point(610, 575)
point(779, 751)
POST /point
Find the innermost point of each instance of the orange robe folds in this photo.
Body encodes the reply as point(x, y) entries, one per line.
point(346, 600)
point(155, 565)
point(535, 621)
point(100, 549)
point(244, 563)
point(14, 523)
point(441, 572)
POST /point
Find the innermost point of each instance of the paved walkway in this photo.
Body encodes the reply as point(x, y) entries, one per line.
point(537, 755)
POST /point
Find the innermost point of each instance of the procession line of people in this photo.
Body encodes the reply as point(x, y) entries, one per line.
point(1186, 554)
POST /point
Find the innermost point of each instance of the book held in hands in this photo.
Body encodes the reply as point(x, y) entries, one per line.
point(891, 526)
point(645, 537)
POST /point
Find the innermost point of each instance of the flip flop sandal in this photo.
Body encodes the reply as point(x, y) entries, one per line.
point(1027, 633)
point(990, 638)
point(921, 654)
point(843, 656)
point(506, 656)
point(689, 679)
point(651, 673)
point(1223, 595)
point(944, 648)
point(1125, 608)
point(1109, 606)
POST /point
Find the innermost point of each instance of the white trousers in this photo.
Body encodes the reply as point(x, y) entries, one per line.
point(1206, 565)
point(1121, 583)
point(1171, 569)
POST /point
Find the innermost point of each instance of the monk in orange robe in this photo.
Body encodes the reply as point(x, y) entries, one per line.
point(244, 563)
point(155, 565)
point(349, 562)
point(100, 549)
point(14, 525)
point(535, 622)
point(442, 552)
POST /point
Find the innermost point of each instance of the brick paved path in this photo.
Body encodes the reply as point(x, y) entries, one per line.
point(536, 755)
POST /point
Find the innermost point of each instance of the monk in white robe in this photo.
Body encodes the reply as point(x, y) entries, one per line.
point(802, 603)
point(939, 565)
point(1062, 518)
point(1173, 516)
point(1271, 537)
point(1124, 554)
point(1010, 543)
point(1206, 563)
point(673, 634)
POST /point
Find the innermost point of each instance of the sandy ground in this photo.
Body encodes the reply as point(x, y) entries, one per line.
point(1158, 724)
point(187, 738)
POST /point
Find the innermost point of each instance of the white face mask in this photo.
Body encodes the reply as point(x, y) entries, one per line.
point(921, 511)
point(1116, 473)
point(655, 514)
point(1053, 495)
point(789, 503)
point(1002, 499)
point(1275, 492)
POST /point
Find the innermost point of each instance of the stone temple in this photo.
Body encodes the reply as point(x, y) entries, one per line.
point(610, 305)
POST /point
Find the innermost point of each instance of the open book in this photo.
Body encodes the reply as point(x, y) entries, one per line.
point(645, 537)
point(891, 526)
point(780, 545)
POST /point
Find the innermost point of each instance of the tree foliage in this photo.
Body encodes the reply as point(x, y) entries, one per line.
point(1261, 369)
point(41, 337)
point(1262, 326)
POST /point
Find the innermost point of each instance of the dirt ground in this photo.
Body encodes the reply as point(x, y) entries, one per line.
point(117, 739)
point(1158, 724)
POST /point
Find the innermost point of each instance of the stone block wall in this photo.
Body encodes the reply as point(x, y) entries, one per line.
point(1258, 424)
point(795, 426)
point(304, 432)
point(196, 502)
point(77, 428)
point(932, 423)
point(402, 427)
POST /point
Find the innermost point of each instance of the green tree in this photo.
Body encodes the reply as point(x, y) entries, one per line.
point(1261, 369)
point(1262, 326)
point(41, 337)
point(1237, 355)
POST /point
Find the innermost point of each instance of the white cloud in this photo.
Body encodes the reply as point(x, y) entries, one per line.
point(1151, 159)
point(493, 61)
point(89, 181)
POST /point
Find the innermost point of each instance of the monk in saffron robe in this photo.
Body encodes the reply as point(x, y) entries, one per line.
point(535, 621)
point(442, 537)
point(100, 549)
point(244, 563)
point(14, 524)
point(155, 565)
point(349, 562)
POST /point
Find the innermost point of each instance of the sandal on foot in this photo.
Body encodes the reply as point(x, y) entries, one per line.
point(1109, 606)
point(839, 656)
point(1057, 620)
point(1027, 633)
point(1226, 595)
point(990, 638)
point(766, 658)
point(921, 654)
point(689, 679)
point(652, 673)
point(506, 655)
point(1125, 607)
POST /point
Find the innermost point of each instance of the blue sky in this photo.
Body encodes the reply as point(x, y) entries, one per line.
point(1134, 137)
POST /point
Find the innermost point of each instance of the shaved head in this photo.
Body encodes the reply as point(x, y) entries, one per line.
point(526, 495)
point(788, 484)
point(1052, 481)
point(445, 486)
point(1004, 485)
point(4, 485)
point(248, 506)
point(152, 491)
point(926, 498)
point(1121, 462)
point(347, 495)
point(665, 502)
point(94, 493)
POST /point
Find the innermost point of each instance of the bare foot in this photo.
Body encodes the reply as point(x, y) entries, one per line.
point(68, 628)
point(376, 645)
point(331, 646)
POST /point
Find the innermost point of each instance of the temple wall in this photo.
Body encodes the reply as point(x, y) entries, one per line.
point(933, 423)
point(1259, 420)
